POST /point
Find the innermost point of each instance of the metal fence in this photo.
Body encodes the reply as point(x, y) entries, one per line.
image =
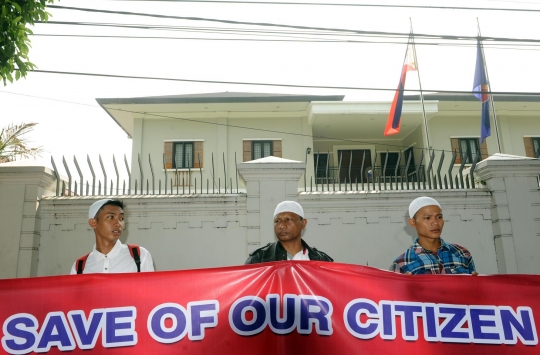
point(394, 177)
point(327, 178)
point(175, 182)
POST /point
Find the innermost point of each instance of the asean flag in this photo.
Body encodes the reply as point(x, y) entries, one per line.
point(481, 91)
point(393, 124)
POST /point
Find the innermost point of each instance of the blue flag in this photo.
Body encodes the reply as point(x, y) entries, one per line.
point(481, 91)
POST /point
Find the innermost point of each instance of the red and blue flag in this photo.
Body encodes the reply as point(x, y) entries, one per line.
point(393, 124)
point(481, 91)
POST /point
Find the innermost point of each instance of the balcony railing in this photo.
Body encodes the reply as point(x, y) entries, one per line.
point(371, 173)
point(405, 176)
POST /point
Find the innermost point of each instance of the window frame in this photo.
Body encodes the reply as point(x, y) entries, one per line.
point(183, 143)
point(469, 158)
point(536, 153)
point(262, 142)
point(318, 168)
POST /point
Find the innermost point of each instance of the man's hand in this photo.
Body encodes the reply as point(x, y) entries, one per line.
point(474, 273)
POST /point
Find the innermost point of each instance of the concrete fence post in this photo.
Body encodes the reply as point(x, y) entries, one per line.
point(513, 182)
point(21, 188)
point(268, 182)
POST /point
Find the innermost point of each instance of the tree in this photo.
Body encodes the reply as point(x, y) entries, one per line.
point(12, 144)
point(15, 19)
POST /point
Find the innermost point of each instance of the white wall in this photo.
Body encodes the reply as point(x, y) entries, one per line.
point(21, 187)
point(499, 225)
point(220, 135)
point(372, 229)
point(206, 231)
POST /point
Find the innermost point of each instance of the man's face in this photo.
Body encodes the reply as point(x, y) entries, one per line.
point(288, 226)
point(428, 222)
point(109, 223)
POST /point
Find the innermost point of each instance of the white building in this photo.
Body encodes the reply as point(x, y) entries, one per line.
point(43, 218)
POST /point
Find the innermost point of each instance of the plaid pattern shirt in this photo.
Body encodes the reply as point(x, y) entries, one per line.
point(449, 259)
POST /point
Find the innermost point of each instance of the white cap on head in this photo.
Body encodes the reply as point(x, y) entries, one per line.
point(96, 206)
point(421, 202)
point(289, 206)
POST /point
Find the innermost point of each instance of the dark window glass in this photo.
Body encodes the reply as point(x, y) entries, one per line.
point(261, 149)
point(183, 155)
point(469, 149)
point(536, 146)
point(319, 162)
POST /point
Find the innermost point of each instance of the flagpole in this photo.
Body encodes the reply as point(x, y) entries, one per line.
point(420, 85)
point(489, 86)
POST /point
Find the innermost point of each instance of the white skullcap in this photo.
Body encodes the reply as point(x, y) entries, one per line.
point(421, 202)
point(289, 206)
point(96, 206)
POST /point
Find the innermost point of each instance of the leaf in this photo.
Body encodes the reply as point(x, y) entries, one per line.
point(16, 19)
point(9, 77)
point(17, 6)
point(17, 75)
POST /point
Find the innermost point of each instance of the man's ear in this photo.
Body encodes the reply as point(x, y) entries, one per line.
point(304, 222)
point(412, 223)
point(92, 222)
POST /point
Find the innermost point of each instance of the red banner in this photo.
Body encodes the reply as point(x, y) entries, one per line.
point(290, 307)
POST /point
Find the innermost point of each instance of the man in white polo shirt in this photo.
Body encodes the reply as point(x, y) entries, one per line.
point(106, 217)
point(289, 223)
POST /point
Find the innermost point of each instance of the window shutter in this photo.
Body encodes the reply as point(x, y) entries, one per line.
point(198, 154)
point(247, 150)
point(167, 153)
point(529, 148)
point(455, 147)
point(483, 150)
point(277, 149)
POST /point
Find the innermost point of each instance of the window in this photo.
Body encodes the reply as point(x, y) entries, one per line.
point(532, 147)
point(259, 148)
point(410, 153)
point(320, 161)
point(183, 155)
point(468, 149)
point(391, 163)
point(351, 161)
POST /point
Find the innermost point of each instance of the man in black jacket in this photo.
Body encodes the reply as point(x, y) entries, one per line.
point(288, 225)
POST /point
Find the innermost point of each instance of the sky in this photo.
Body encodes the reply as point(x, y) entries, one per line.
point(70, 122)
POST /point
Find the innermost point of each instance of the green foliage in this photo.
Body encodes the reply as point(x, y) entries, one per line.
point(15, 19)
point(13, 144)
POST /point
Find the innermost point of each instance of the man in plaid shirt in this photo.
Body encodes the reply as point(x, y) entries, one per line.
point(429, 254)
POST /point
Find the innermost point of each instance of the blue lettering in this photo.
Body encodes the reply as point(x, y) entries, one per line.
point(237, 315)
point(408, 319)
point(315, 310)
point(479, 321)
point(520, 325)
point(156, 323)
point(389, 321)
point(120, 327)
point(430, 324)
point(19, 333)
point(285, 324)
point(351, 316)
point(86, 331)
point(55, 332)
point(203, 315)
point(456, 320)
